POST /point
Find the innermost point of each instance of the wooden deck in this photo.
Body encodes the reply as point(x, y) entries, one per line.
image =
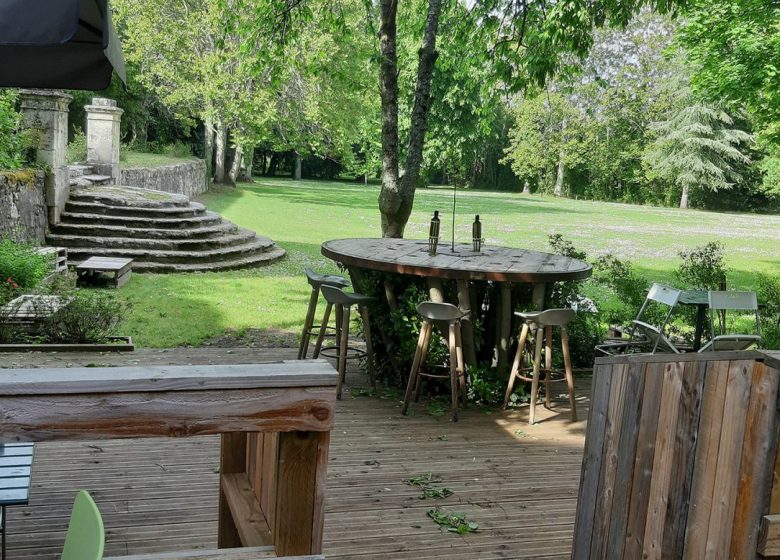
point(518, 482)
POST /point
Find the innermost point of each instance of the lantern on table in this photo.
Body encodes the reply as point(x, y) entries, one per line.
point(433, 233)
point(476, 235)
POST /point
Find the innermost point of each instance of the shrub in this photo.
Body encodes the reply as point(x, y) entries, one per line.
point(703, 268)
point(16, 143)
point(23, 264)
point(77, 148)
point(91, 317)
point(768, 290)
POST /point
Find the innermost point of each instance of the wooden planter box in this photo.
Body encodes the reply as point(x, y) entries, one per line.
point(681, 458)
point(121, 344)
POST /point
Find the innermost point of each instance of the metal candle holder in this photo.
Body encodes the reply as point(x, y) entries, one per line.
point(433, 234)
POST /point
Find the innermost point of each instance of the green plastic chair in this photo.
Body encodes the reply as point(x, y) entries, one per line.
point(86, 536)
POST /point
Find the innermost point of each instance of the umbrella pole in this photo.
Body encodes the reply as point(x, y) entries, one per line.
point(454, 194)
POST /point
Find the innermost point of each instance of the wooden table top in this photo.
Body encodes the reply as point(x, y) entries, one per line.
point(410, 256)
point(107, 264)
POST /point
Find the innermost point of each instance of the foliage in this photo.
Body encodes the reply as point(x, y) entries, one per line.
point(453, 522)
point(77, 147)
point(426, 482)
point(9, 290)
point(735, 48)
point(703, 268)
point(698, 147)
point(768, 291)
point(16, 143)
point(23, 264)
point(90, 317)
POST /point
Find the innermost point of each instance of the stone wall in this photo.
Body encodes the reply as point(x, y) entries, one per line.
point(23, 213)
point(187, 178)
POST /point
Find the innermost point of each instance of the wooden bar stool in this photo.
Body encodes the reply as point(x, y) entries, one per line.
point(441, 313)
point(316, 281)
point(342, 351)
point(542, 324)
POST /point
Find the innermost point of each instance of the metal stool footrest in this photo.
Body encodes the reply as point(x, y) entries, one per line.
point(352, 352)
point(554, 373)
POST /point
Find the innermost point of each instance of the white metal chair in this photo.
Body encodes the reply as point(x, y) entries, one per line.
point(721, 302)
point(644, 336)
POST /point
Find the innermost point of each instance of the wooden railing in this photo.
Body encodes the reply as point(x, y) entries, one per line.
point(275, 420)
point(679, 456)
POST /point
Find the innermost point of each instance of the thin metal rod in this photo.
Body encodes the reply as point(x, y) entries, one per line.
point(454, 194)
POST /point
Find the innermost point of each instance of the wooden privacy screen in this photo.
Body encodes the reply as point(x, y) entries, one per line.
point(679, 457)
point(275, 420)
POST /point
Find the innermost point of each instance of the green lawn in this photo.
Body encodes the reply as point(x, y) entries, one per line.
point(186, 309)
point(143, 159)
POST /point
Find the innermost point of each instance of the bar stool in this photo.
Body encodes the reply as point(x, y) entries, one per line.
point(542, 323)
point(316, 281)
point(343, 301)
point(439, 313)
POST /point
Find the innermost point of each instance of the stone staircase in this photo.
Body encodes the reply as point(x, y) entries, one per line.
point(161, 232)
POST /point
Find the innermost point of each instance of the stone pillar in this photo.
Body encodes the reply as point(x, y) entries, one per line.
point(103, 120)
point(47, 112)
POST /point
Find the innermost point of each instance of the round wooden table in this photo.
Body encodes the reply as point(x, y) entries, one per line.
point(504, 265)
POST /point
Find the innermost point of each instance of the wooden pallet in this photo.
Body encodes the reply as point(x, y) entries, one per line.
point(60, 257)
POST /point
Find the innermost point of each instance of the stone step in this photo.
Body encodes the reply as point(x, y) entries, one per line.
point(237, 252)
point(80, 242)
point(256, 259)
point(119, 195)
point(80, 170)
point(84, 207)
point(207, 218)
point(118, 230)
point(95, 179)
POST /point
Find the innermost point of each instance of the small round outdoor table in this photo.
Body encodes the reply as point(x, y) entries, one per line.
point(504, 265)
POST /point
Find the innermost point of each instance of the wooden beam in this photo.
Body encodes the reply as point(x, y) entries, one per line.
point(248, 518)
point(769, 536)
point(232, 459)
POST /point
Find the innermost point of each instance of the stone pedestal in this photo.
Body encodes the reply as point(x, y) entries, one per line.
point(47, 112)
point(103, 133)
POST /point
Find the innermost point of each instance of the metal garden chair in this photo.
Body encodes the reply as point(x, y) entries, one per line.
point(720, 303)
point(644, 336)
point(86, 536)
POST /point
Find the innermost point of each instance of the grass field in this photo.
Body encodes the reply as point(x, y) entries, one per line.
point(171, 310)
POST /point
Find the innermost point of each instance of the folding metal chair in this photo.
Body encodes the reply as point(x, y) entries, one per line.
point(720, 303)
point(643, 335)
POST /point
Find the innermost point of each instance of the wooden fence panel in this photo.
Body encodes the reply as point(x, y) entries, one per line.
point(680, 457)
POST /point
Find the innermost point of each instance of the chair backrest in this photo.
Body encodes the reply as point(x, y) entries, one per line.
point(664, 295)
point(86, 537)
point(722, 301)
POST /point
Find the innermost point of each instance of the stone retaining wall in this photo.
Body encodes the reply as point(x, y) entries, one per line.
point(23, 213)
point(187, 178)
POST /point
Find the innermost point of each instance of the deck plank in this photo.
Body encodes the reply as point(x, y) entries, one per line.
point(519, 482)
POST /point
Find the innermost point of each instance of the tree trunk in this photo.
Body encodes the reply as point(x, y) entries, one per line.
point(684, 197)
point(298, 165)
point(221, 153)
point(526, 188)
point(273, 164)
point(249, 161)
point(208, 146)
point(235, 167)
point(558, 191)
point(397, 195)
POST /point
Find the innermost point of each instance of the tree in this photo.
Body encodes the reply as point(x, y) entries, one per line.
point(698, 147)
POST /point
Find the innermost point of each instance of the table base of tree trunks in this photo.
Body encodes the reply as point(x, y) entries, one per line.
point(108, 271)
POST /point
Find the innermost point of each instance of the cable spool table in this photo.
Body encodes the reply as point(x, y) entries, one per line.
point(503, 265)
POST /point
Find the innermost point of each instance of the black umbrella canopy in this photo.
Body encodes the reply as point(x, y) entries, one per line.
point(58, 44)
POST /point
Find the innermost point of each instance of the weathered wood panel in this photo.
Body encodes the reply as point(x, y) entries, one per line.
point(679, 457)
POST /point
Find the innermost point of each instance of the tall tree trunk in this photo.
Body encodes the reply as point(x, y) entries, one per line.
point(235, 166)
point(397, 194)
point(684, 197)
point(208, 146)
point(526, 188)
point(221, 153)
point(298, 165)
point(249, 161)
point(558, 191)
point(273, 164)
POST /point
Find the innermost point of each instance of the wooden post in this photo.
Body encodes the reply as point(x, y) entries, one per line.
point(232, 460)
point(467, 323)
point(506, 323)
point(300, 492)
point(537, 298)
point(436, 290)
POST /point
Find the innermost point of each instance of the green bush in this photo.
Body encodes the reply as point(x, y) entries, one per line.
point(91, 317)
point(703, 268)
point(768, 290)
point(77, 148)
point(16, 143)
point(21, 263)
